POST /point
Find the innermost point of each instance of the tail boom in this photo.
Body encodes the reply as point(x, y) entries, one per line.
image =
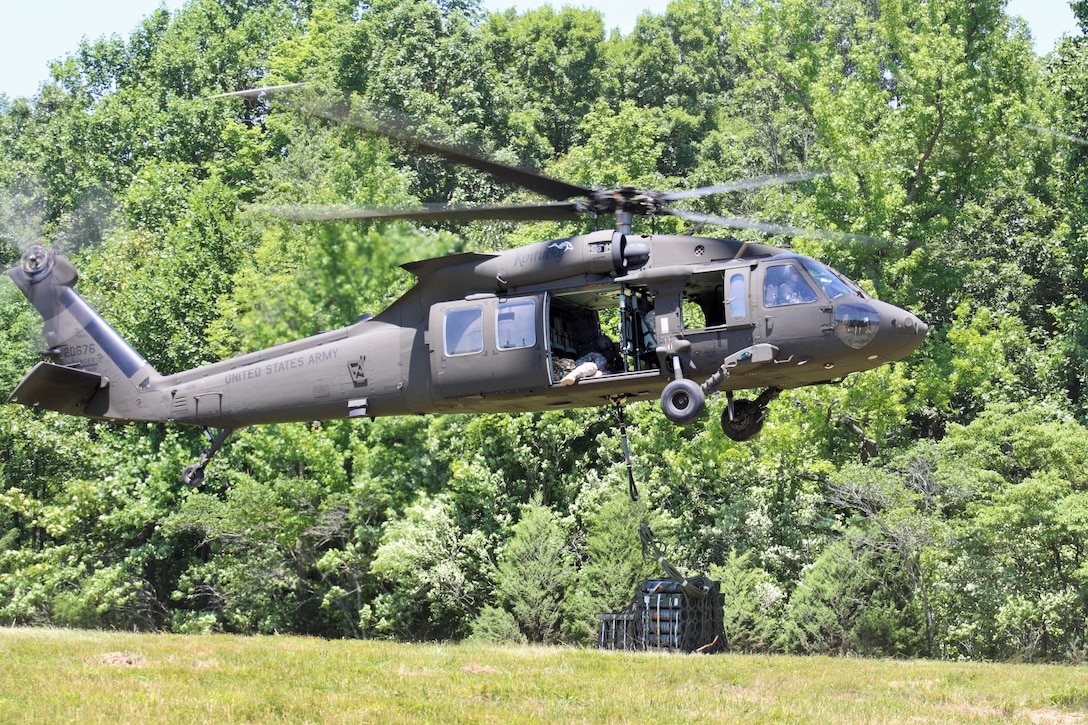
point(92, 370)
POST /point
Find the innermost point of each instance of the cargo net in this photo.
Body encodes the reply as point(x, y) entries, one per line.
point(678, 614)
point(663, 616)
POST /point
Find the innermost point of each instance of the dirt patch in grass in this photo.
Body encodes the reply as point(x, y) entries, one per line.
point(474, 669)
point(121, 659)
point(1053, 717)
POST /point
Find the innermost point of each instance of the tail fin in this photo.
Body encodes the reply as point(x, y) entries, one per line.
point(94, 371)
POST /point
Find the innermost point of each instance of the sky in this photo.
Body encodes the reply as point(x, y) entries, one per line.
point(34, 32)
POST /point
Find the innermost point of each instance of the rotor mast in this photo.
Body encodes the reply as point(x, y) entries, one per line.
point(624, 219)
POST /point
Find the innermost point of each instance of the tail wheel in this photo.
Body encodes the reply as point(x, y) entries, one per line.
point(747, 420)
point(193, 475)
point(682, 401)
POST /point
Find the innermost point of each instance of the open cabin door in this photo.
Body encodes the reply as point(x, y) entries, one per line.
point(488, 344)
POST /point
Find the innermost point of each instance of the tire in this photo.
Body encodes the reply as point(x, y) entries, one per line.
point(747, 420)
point(682, 401)
point(193, 476)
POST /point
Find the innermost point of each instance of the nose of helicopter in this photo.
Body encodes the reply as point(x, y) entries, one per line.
point(901, 333)
point(882, 332)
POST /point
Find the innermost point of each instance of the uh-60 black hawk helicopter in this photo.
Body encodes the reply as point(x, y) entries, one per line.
point(596, 319)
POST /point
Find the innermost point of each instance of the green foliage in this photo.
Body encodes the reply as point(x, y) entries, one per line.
point(496, 625)
point(615, 564)
point(431, 572)
point(20, 338)
point(934, 507)
point(754, 607)
point(549, 68)
point(159, 283)
point(1023, 533)
point(535, 571)
point(846, 603)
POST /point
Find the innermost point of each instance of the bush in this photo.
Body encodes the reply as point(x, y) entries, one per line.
point(496, 625)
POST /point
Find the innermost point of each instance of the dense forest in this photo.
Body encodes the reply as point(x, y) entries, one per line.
point(936, 507)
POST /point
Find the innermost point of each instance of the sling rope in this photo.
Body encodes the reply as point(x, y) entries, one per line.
point(694, 587)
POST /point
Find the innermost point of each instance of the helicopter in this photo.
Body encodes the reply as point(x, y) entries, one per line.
point(603, 318)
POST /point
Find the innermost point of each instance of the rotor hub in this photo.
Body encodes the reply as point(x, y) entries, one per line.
point(623, 200)
point(37, 261)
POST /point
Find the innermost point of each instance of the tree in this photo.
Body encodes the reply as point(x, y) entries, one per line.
point(433, 574)
point(848, 602)
point(549, 67)
point(681, 65)
point(1016, 564)
point(1066, 72)
point(535, 571)
point(754, 608)
point(615, 563)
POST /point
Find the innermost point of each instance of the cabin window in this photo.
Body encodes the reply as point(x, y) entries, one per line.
point(464, 330)
point(738, 297)
point(784, 285)
point(516, 324)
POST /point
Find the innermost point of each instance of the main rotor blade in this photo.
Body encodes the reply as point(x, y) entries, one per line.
point(770, 227)
point(263, 90)
point(559, 211)
point(398, 132)
point(753, 183)
point(525, 178)
point(1059, 134)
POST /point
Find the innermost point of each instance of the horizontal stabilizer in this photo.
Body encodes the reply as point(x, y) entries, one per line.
point(56, 387)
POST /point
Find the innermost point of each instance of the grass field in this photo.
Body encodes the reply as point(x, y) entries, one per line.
point(62, 676)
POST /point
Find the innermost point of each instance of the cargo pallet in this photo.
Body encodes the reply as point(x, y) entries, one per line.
point(663, 616)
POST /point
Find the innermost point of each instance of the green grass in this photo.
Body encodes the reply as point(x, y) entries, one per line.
point(60, 676)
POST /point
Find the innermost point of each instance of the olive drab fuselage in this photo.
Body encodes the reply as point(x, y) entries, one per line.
point(497, 333)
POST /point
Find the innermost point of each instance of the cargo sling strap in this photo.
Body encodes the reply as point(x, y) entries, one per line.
point(694, 587)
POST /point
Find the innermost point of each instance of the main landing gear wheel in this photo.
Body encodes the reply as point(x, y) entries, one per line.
point(682, 401)
point(747, 420)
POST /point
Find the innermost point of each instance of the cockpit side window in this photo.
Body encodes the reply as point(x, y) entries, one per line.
point(783, 284)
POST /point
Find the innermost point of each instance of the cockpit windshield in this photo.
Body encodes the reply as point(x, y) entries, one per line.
point(829, 282)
